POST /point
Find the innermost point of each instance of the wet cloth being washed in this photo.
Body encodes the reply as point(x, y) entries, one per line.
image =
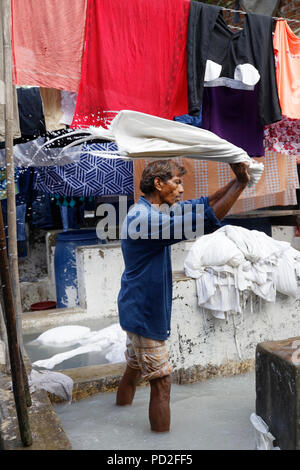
point(140, 135)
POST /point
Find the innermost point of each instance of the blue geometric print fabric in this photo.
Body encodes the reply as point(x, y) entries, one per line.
point(91, 176)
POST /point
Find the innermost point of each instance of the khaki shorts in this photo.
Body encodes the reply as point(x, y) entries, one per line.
point(148, 355)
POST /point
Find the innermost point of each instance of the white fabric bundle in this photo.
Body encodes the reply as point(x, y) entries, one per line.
point(255, 245)
point(63, 335)
point(224, 252)
point(111, 339)
point(140, 135)
point(53, 382)
point(234, 261)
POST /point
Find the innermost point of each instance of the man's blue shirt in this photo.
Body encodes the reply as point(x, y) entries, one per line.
point(145, 298)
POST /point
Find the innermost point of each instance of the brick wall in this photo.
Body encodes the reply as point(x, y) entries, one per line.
point(290, 9)
point(286, 9)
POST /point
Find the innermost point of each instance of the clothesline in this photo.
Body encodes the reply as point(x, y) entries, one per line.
point(245, 13)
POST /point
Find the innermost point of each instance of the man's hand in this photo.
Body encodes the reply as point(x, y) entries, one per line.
point(241, 172)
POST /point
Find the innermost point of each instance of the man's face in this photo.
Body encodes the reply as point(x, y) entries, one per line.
point(171, 190)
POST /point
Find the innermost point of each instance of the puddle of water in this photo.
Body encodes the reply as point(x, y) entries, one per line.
point(209, 415)
point(36, 351)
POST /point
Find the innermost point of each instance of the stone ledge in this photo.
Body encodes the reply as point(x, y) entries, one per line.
point(199, 373)
point(46, 430)
point(106, 378)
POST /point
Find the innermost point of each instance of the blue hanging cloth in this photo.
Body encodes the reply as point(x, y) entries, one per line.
point(91, 176)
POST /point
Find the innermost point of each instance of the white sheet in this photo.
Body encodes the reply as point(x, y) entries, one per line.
point(140, 135)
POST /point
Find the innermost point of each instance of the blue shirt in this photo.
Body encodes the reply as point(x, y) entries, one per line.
point(145, 298)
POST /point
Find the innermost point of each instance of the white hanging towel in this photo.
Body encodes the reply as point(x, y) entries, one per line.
point(140, 135)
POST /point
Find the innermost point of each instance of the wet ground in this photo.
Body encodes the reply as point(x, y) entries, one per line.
point(210, 415)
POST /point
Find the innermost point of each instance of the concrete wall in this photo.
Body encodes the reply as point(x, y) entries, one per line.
point(199, 343)
point(99, 271)
point(196, 339)
point(202, 340)
point(286, 233)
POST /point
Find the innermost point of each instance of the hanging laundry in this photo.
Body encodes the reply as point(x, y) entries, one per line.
point(51, 100)
point(31, 116)
point(41, 213)
point(68, 104)
point(32, 121)
point(233, 115)
point(47, 42)
point(287, 53)
point(91, 176)
point(191, 120)
point(72, 217)
point(3, 184)
point(216, 56)
point(135, 58)
point(25, 181)
point(276, 187)
point(267, 7)
point(16, 125)
point(20, 220)
point(283, 136)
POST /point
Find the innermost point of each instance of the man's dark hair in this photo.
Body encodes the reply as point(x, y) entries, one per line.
point(163, 169)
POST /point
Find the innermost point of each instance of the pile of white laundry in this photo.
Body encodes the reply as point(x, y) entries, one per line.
point(233, 263)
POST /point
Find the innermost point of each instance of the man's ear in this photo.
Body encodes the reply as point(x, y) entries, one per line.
point(157, 183)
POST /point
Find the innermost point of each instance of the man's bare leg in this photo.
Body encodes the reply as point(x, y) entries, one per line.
point(127, 387)
point(159, 406)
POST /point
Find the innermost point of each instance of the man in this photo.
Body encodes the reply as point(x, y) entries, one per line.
point(145, 297)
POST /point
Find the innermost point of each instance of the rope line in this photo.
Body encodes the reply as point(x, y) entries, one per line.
point(245, 13)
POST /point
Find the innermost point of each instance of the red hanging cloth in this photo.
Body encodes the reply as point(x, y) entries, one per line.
point(134, 58)
point(47, 42)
